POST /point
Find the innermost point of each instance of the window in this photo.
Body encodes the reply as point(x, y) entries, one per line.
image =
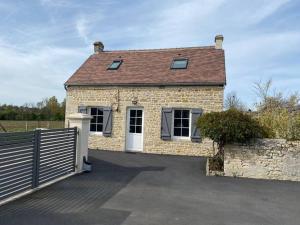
point(115, 65)
point(181, 127)
point(97, 121)
point(179, 64)
point(136, 116)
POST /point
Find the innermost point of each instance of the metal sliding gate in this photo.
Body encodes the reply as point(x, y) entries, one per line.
point(29, 159)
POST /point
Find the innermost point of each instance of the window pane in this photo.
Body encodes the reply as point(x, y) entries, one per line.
point(99, 128)
point(177, 113)
point(179, 64)
point(99, 119)
point(132, 113)
point(132, 121)
point(93, 120)
point(138, 121)
point(93, 127)
point(185, 132)
point(138, 129)
point(185, 113)
point(93, 111)
point(115, 65)
point(185, 122)
point(132, 129)
point(177, 131)
point(139, 113)
point(177, 122)
point(100, 112)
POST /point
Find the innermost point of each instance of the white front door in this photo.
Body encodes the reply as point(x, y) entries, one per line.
point(134, 133)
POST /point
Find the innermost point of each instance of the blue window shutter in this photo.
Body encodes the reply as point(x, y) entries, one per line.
point(166, 123)
point(107, 121)
point(195, 132)
point(82, 109)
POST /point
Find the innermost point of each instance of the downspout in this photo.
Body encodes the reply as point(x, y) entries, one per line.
point(118, 100)
point(66, 87)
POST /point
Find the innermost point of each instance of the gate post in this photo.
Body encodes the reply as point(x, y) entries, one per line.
point(36, 159)
point(82, 122)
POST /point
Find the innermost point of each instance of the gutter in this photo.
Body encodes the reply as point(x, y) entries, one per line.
point(220, 84)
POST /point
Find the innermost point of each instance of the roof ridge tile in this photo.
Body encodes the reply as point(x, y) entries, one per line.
point(158, 49)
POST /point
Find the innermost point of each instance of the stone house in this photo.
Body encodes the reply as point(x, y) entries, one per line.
point(149, 100)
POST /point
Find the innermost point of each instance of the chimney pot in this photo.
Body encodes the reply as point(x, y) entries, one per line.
point(98, 47)
point(219, 41)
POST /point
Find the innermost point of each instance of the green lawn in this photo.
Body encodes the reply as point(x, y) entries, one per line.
point(17, 125)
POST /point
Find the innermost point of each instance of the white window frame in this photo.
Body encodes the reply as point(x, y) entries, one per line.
point(89, 112)
point(190, 125)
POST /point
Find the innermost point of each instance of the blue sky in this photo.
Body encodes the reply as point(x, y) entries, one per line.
point(43, 42)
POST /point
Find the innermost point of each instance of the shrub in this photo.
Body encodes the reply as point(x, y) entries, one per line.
point(278, 112)
point(229, 126)
point(281, 123)
point(294, 128)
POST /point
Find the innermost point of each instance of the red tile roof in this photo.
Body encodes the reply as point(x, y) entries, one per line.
point(206, 66)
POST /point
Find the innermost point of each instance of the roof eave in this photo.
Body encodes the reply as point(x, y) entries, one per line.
point(150, 84)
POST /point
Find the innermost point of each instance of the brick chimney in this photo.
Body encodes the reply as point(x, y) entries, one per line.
point(98, 47)
point(219, 41)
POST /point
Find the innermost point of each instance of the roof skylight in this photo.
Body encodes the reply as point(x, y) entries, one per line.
point(179, 64)
point(115, 65)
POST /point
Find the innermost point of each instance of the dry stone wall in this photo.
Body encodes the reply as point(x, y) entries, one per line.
point(266, 159)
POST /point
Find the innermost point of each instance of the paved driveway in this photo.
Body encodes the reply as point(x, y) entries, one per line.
point(143, 189)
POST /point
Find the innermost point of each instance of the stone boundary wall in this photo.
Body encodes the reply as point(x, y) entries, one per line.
point(265, 159)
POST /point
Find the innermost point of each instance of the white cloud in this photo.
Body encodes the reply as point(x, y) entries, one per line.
point(186, 15)
point(267, 46)
point(266, 9)
point(173, 24)
point(82, 28)
point(36, 74)
point(176, 23)
point(57, 3)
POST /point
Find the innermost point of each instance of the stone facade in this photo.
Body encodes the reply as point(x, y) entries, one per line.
point(152, 99)
point(267, 159)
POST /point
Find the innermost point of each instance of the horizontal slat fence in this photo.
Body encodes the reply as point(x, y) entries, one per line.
point(16, 162)
point(29, 159)
point(57, 153)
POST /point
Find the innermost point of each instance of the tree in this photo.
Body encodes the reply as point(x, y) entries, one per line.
point(270, 100)
point(47, 109)
point(53, 108)
point(233, 102)
point(63, 109)
point(262, 90)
